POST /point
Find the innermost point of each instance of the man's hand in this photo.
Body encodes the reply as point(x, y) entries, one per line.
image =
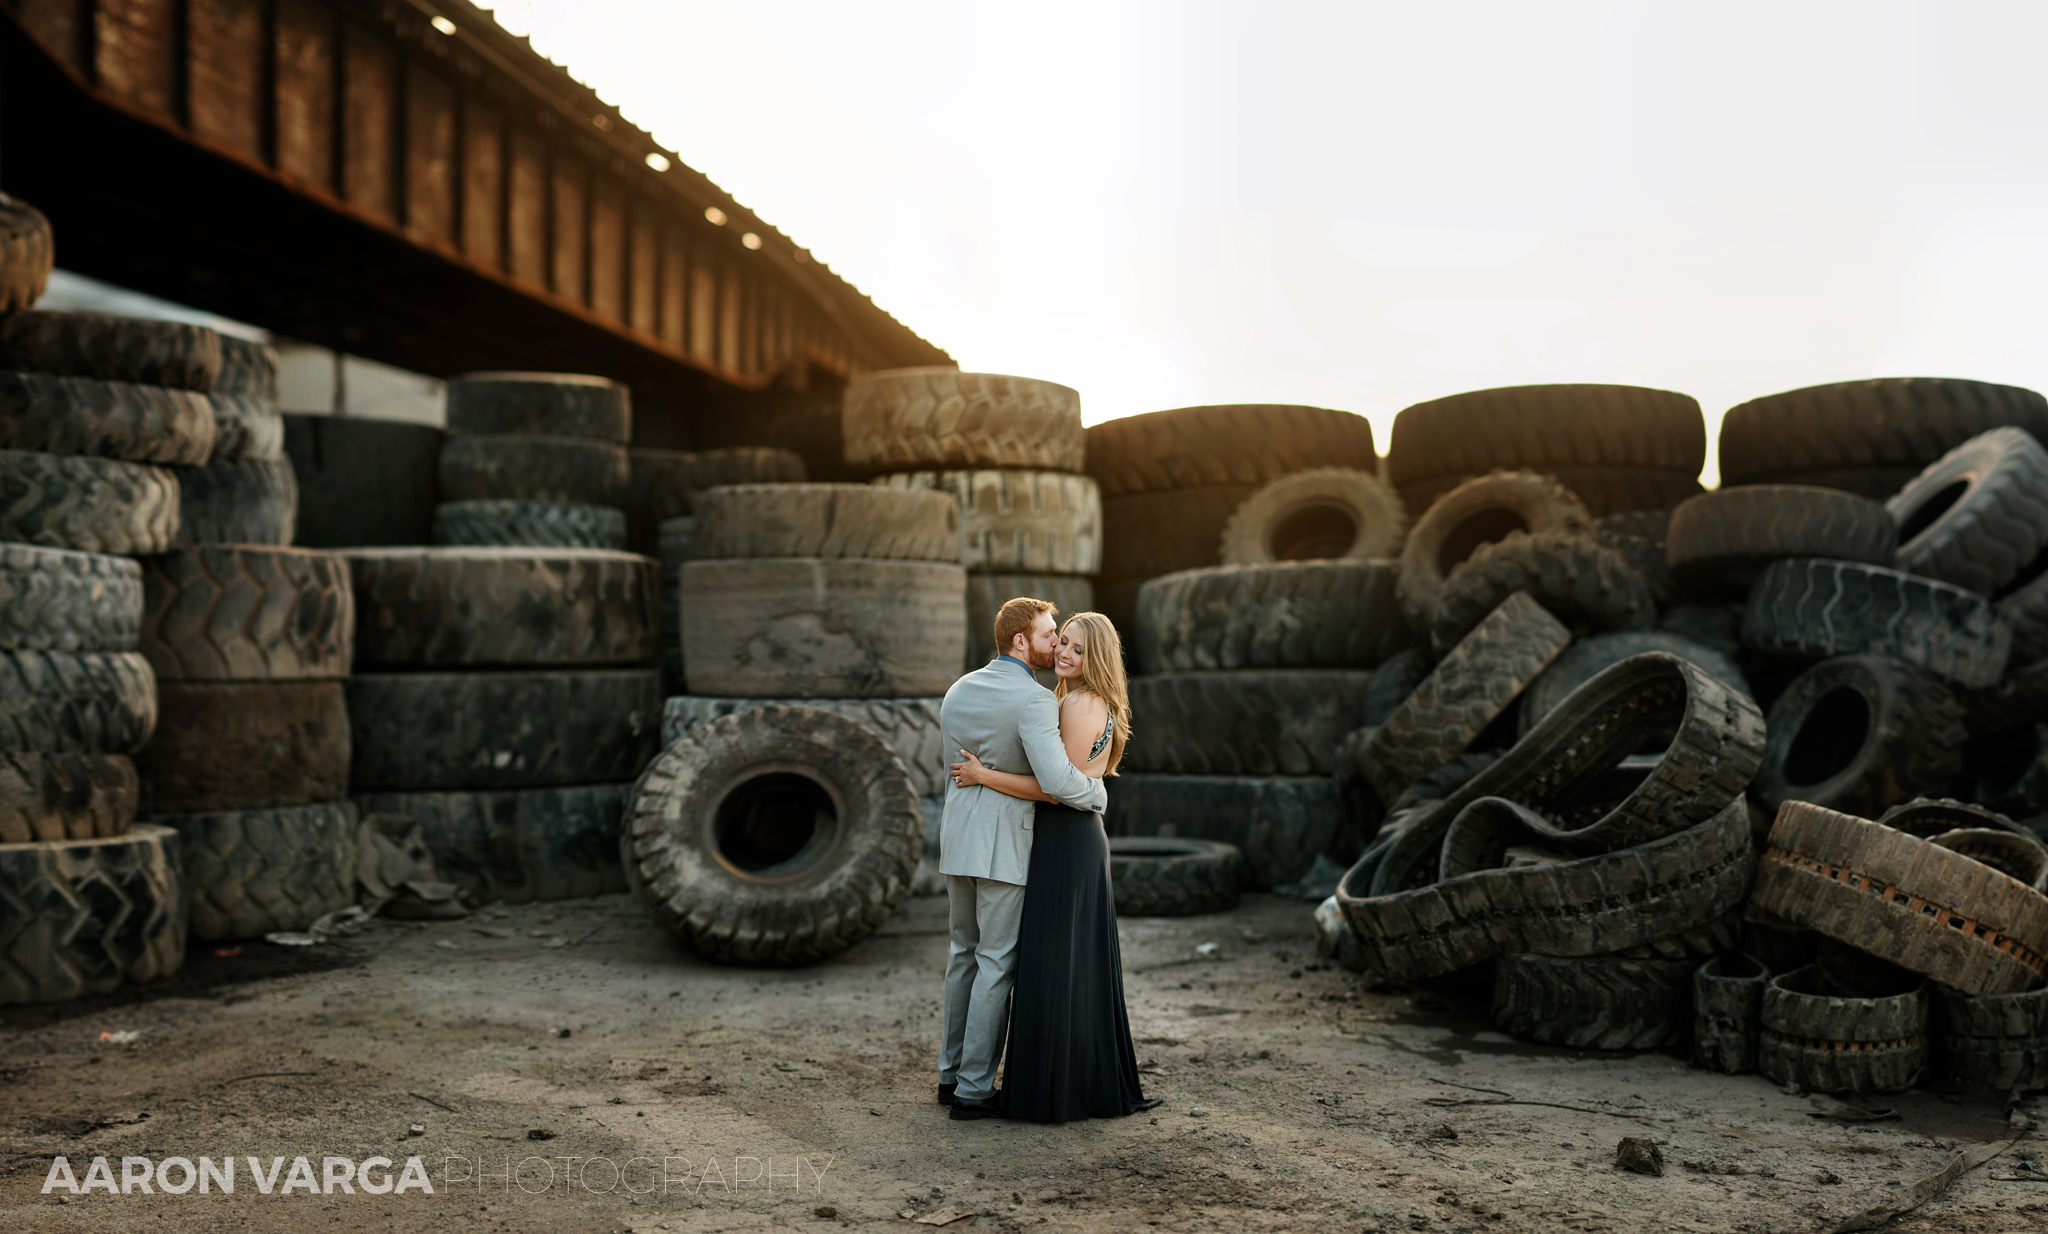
point(968, 771)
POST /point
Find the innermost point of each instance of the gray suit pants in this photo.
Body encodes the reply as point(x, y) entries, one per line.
point(986, 915)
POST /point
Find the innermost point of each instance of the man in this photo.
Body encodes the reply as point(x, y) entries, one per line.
point(1002, 716)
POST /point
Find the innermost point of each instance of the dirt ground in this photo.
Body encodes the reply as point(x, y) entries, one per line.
point(557, 1043)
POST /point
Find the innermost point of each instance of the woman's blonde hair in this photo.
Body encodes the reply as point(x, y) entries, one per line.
point(1102, 674)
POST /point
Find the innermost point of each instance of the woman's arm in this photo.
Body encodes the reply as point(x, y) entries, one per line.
point(971, 771)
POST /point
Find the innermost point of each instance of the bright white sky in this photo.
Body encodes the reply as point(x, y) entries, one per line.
point(1362, 205)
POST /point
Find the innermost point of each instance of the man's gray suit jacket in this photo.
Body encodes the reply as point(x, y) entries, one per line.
point(1011, 723)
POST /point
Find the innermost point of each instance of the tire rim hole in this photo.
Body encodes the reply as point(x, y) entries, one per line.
point(1313, 532)
point(1835, 730)
point(1925, 514)
point(1481, 528)
point(775, 825)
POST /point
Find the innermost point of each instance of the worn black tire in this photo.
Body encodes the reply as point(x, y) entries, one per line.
point(802, 627)
point(1603, 491)
point(83, 702)
point(1590, 656)
point(986, 594)
point(1477, 681)
point(144, 350)
point(537, 524)
point(1930, 817)
point(237, 501)
point(519, 845)
point(1866, 430)
point(1154, 876)
point(53, 599)
point(1145, 535)
point(66, 796)
point(1727, 1002)
point(27, 253)
point(1999, 1041)
point(497, 730)
point(92, 505)
point(709, 835)
point(1904, 900)
point(2023, 605)
point(832, 521)
point(248, 369)
point(1538, 428)
point(1813, 608)
point(1329, 512)
point(218, 612)
point(558, 404)
point(675, 545)
point(81, 917)
point(1256, 722)
point(1577, 578)
point(1978, 515)
point(2019, 856)
point(1235, 445)
point(1291, 614)
point(1830, 1043)
point(1279, 823)
point(1593, 1002)
point(252, 872)
point(533, 467)
point(1719, 542)
point(1638, 535)
point(1860, 734)
point(246, 427)
point(363, 482)
point(1479, 511)
point(1019, 522)
point(665, 483)
point(245, 745)
point(104, 419)
point(909, 725)
point(504, 606)
point(909, 418)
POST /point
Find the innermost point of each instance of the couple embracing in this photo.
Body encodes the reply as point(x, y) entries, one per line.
point(1034, 951)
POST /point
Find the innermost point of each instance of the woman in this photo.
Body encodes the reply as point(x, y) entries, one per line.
point(1069, 1037)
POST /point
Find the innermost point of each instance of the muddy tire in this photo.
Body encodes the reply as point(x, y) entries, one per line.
point(1479, 511)
point(226, 613)
point(1999, 1041)
point(56, 600)
point(1872, 430)
point(1258, 722)
point(1860, 734)
point(1593, 1002)
point(237, 501)
point(1538, 428)
point(251, 872)
point(66, 796)
point(2018, 856)
point(1021, 522)
point(1829, 1043)
point(245, 745)
point(905, 419)
point(1236, 445)
point(504, 606)
point(1638, 535)
point(665, 483)
point(27, 252)
point(987, 593)
point(247, 369)
point(1604, 491)
point(104, 419)
point(1155, 877)
point(909, 725)
point(1588, 657)
point(1720, 541)
point(1815, 609)
point(520, 845)
point(538, 524)
point(1576, 578)
point(1904, 900)
point(498, 730)
point(732, 856)
point(1330, 513)
point(1480, 678)
point(557, 404)
point(81, 917)
point(1727, 1001)
point(798, 627)
point(1294, 614)
point(91, 505)
point(1928, 817)
point(1278, 823)
point(245, 427)
point(362, 482)
point(1145, 535)
point(533, 467)
point(830, 521)
point(85, 702)
point(1978, 515)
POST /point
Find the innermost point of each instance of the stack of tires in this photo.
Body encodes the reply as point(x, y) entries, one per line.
point(245, 491)
point(1171, 481)
point(504, 699)
point(842, 597)
point(1011, 455)
point(535, 459)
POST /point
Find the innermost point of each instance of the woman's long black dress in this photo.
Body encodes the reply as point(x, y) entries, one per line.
point(1070, 1050)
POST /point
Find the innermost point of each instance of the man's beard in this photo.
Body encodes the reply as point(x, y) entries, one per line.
point(1042, 659)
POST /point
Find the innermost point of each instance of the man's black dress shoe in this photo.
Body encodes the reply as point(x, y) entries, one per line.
point(946, 1093)
point(975, 1109)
